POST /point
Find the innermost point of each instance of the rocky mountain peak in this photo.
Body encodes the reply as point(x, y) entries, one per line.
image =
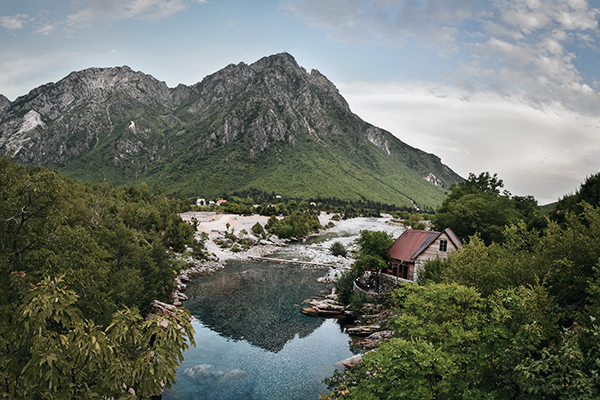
point(94, 85)
point(284, 60)
point(4, 102)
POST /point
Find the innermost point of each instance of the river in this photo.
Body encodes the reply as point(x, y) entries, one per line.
point(252, 342)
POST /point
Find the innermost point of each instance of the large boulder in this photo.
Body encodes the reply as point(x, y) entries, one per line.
point(250, 239)
point(350, 362)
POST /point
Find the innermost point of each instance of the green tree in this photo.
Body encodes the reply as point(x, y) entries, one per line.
point(477, 205)
point(298, 224)
point(571, 251)
point(258, 230)
point(50, 350)
point(373, 253)
point(451, 343)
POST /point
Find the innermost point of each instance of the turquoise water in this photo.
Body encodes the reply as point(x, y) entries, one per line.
point(252, 342)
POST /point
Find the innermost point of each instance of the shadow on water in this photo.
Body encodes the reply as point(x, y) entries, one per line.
point(256, 302)
point(252, 340)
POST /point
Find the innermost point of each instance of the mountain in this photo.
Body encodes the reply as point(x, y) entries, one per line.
point(269, 125)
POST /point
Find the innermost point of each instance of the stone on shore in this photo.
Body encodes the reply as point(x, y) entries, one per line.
point(350, 362)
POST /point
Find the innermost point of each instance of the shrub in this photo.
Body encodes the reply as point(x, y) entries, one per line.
point(338, 249)
point(357, 300)
point(344, 286)
point(258, 229)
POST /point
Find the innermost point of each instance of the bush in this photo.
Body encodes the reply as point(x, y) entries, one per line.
point(357, 300)
point(338, 249)
point(344, 287)
point(258, 229)
point(297, 224)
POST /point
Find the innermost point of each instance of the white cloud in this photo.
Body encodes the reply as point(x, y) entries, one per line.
point(391, 22)
point(16, 22)
point(45, 30)
point(543, 153)
point(108, 10)
point(518, 47)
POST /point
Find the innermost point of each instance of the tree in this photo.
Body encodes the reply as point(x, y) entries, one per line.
point(373, 252)
point(106, 245)
point(451, 343)
point(258, 230)
point(588, 192)
point(478, 206)
point(50, 350)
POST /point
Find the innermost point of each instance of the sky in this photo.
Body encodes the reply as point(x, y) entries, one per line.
point(501, 86)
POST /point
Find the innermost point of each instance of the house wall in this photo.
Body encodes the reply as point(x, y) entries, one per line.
point(396, 266)
point(433, 252)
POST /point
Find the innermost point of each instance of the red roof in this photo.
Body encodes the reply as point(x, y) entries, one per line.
point(413, 242)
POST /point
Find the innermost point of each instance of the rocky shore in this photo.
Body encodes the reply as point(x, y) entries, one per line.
point(221, 257)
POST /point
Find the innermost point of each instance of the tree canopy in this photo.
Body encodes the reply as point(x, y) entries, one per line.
point(513, 317)
point(477, 205)
point(373, 251)
point(80, 265)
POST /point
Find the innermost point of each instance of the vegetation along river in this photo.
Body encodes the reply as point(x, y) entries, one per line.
point(252, 342)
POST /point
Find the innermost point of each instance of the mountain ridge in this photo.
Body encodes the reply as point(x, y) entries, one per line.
point(241, 127)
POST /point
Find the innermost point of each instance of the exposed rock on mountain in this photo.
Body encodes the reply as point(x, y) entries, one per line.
point(4, 103)
point(269, 125)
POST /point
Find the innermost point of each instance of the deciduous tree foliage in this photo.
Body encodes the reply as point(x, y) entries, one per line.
point(110, 248)
point(452, 343)
point(477, 205)
point(373, 251)
point(510, 318)
point(54, 352)
point(297, 224)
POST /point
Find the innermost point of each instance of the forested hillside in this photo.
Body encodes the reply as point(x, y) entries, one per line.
point(512, 315)
point(80, 266)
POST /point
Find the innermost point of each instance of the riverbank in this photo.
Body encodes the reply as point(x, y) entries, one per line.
point(312, 250)
point(215, 225)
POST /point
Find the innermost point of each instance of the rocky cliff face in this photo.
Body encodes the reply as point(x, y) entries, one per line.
point(4, 103)
point(243, 126)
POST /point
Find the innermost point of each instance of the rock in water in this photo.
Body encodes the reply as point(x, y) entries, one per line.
point(234, 375)
point(201, 373)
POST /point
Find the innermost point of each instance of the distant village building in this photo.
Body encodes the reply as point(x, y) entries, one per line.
point(414, 247)
point(201, 202)
point(221, 201)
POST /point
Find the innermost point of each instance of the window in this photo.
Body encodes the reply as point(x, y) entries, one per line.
point(443, 245)
point(403, 271)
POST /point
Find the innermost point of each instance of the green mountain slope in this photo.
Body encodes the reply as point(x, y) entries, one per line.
point(269, 125)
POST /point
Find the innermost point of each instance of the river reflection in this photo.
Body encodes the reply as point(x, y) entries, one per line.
point(257, 302)
point(252, 340)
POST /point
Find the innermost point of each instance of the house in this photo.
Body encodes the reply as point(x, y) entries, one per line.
point(200, 202)
point(413, 248)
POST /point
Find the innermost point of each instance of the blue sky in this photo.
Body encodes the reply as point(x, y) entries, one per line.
point(505, 86)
